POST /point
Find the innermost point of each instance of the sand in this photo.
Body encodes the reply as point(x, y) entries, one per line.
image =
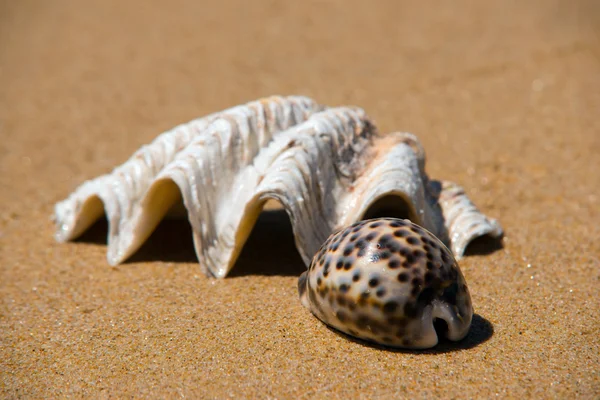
point(505, 97)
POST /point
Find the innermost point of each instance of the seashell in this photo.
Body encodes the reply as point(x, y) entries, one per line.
point(328, 167)
point(386, 280)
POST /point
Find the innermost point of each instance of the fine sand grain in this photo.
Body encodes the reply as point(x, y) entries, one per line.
point(504, 95)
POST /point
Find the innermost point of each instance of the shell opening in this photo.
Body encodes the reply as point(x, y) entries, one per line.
point(394, 206)
point(269, 247)
point(441, 327)
point(457, 325)
point(484, 244)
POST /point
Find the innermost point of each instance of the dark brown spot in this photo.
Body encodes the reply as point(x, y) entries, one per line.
point(371, 236)
point(429, 277)
point(344, 288)
point(403, 277)
point(348, 265)
point(362, 322)
point(412, 240)
point(390, 307)
point(321, 259)
point(384, 240)
point(445, 257)
point(374, 224)
point(430, 265)
point(354, 237)
point(410, 310)
point(341, 300)
point(351, 305)
point(339, 264)
point(348, 250)
point(401, 233)
point(380, 292)
point(394, 247)
point(409, 259)
point(373, 282)
point(384, 255)
point(319, 281)
point(418, 253)
point(356, 276)
point(342, 316)
point(394, 263)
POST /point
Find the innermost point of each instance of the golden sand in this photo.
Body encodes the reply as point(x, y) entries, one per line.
point(504, 96)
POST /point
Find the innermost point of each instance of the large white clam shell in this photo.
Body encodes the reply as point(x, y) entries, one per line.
point(328, 167)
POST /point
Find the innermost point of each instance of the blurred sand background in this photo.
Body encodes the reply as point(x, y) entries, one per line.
point(504, 95)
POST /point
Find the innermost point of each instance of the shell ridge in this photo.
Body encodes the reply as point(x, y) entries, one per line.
point(326, 166)
point(463, 220)
point(332, 131)
point(120, 198)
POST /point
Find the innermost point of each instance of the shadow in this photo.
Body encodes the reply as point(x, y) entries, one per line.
point(484, 245)
point(95, 234)
point(393, 206)
point(270, 249)
point(171, 241)
point(481, 331)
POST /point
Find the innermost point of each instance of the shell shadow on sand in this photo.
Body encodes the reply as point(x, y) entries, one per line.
point(270, 249)
point(480, 332)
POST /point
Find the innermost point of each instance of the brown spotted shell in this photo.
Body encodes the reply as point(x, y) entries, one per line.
point(387, 280)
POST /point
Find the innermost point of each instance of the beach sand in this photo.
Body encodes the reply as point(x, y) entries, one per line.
point(505, 97)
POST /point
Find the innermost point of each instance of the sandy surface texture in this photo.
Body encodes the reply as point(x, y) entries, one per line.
point(505, 97)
